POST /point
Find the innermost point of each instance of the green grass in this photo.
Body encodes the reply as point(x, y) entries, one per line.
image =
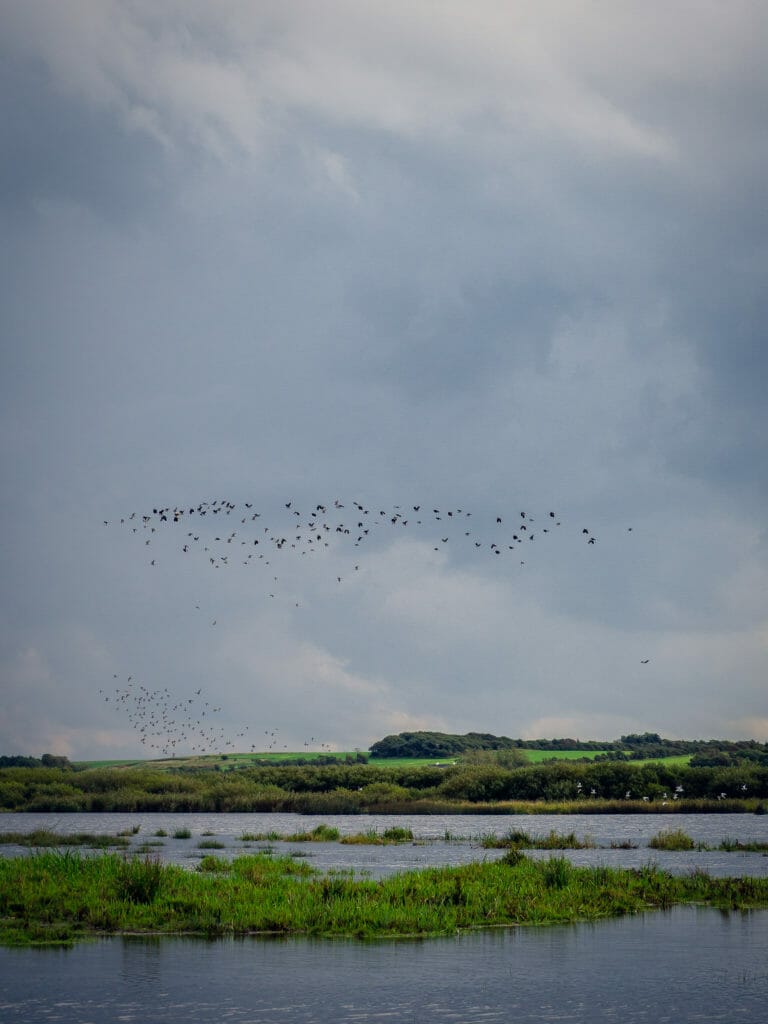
point(241, 760)
point(55, 897)
point(537, 756)
point(674, 760)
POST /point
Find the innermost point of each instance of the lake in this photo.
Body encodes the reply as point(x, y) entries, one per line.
point(682, 965)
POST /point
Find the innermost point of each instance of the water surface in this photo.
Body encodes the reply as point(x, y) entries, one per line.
point(683, 965)
point(430, 846)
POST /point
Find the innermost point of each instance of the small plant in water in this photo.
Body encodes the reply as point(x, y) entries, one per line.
point(398, 835)
point(182, 833)
point(673, 839)
point(319, 834)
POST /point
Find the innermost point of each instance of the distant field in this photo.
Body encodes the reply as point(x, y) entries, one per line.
point(119, 763)
point(237, 760)
point(680, 759)
point(535, 756)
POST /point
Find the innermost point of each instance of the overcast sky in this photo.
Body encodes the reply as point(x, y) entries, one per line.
point(496, 257)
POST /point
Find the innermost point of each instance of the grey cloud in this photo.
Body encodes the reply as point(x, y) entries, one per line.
point(520, 269)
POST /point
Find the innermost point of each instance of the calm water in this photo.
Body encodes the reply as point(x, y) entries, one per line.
point(684, 965)
point(430, 846)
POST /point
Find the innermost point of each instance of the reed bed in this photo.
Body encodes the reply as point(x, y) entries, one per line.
point(61, 897)
point(42, 837)
point(736, 846)
point(519, 839)
point(373, 838)
point(677, 839)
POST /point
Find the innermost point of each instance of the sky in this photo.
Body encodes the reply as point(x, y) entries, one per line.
point(494, 257)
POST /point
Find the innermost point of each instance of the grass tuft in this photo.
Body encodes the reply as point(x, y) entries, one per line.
point(672, 839)
point(138, 881)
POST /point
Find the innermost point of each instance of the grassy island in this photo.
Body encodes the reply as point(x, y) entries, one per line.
point(62, 897)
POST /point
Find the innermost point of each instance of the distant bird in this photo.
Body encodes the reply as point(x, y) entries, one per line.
point(645, 661)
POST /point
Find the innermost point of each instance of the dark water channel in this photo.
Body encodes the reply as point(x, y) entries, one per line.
point(682, 965)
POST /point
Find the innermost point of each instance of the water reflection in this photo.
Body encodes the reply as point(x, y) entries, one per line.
point(684, 965)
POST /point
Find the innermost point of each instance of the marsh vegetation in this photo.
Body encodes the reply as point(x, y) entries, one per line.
point(45, 837)
point(59, 897)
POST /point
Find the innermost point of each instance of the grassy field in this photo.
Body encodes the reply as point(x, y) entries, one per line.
point(537, 756)
point(228, 761)
point(59, 898)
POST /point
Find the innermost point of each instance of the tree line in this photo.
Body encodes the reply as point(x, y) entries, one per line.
point(633, 746)
point(631, 786)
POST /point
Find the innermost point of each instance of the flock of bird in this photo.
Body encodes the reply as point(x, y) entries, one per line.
point(167, 723)
point(226, 534)
point(164, 721)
